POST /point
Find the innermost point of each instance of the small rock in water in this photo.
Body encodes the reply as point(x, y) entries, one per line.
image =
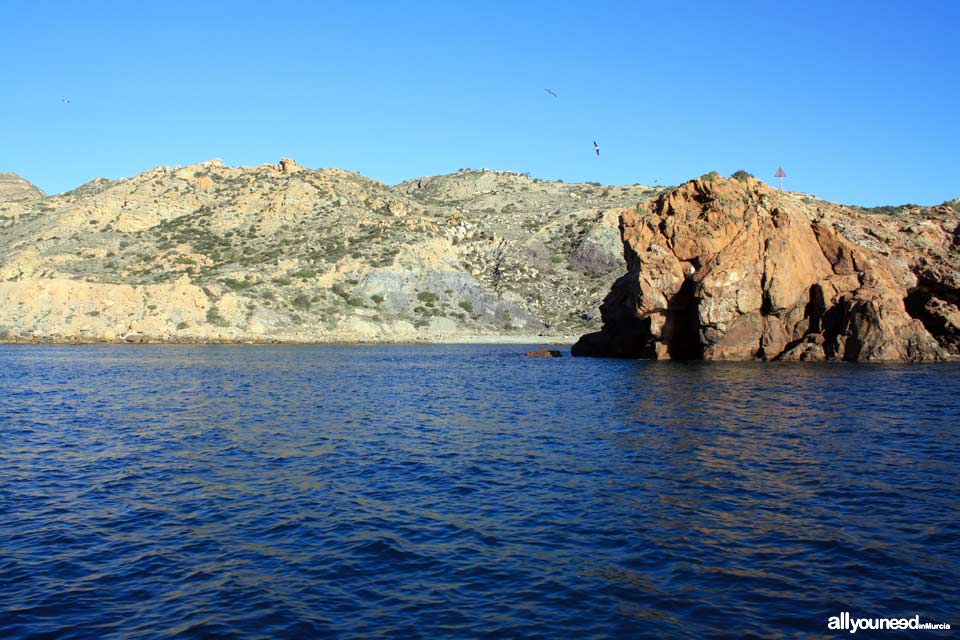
point(544, 353)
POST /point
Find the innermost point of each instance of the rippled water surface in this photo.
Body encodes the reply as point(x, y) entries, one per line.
point(467, 491)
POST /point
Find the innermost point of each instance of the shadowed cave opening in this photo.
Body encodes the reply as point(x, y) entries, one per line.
point(683, 320)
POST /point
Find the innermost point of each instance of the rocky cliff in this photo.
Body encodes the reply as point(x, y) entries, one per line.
point(723, 269)
point(280, 252)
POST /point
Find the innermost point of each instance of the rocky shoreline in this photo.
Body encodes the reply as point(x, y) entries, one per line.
point(714, 269)
point(506, 340)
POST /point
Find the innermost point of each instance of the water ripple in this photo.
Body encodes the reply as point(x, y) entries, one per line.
point(449, 491)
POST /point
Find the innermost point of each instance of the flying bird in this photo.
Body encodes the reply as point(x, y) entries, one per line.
point(596, 148)
point(66, 101)
point(551, 93)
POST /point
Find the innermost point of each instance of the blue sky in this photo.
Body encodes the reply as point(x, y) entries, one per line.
point(858, 101)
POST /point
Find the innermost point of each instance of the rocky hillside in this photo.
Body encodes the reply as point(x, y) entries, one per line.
point(732, 270)
point(13, 187)
point(279, 252)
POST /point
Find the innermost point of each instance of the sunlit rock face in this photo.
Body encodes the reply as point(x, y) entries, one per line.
point(732, 270)
point(13, 187)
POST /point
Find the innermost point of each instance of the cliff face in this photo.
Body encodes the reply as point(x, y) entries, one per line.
point(733, 270)
point(13, 187)
point(282, 252)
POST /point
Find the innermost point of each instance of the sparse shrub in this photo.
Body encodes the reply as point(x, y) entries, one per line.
point(467, 306)
point(741, 175)
point(339, 290)
point(377, 298)
point(301, 301)
point(890, 210)
point(214, 317)
point(182, 325)
point(428, 297)
point(713, 175)
point(236, 285)
point(306, 274)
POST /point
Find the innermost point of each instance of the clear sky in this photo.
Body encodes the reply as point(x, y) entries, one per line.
point(858, 101)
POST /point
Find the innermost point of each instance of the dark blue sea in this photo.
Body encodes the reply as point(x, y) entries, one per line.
point(469, 492)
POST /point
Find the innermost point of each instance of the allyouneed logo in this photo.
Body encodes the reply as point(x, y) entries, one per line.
point(846, 622)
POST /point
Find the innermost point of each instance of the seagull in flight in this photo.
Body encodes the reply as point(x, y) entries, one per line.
point(66, 101)
point(551, 93)
point(596, 148)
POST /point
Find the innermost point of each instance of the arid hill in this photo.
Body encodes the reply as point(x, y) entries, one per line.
point(13, 187)
point(279, 252)
point(723, 269)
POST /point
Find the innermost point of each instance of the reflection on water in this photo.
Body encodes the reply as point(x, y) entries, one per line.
point(464, 491)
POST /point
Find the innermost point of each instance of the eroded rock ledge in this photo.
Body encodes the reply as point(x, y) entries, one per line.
point(732, 270)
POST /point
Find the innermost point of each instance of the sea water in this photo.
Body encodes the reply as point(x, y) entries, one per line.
point(468, 492)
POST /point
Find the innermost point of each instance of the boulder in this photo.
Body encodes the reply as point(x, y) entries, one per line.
point(288, 165)
point(544, 353)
